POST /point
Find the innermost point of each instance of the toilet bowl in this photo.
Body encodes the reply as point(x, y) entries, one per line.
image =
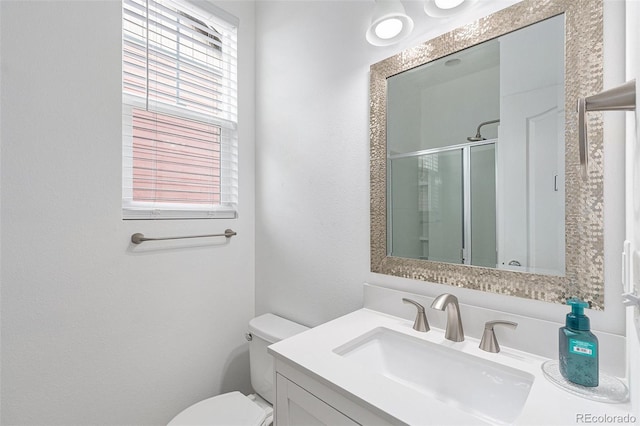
point(234, 408)
point(229, 409)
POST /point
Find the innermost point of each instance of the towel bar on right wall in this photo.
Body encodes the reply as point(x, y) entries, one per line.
point(621, 98)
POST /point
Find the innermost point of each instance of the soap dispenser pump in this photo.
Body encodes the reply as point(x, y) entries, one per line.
point(578, 347)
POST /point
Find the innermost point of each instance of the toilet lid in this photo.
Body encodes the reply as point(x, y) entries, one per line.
point(229, 409)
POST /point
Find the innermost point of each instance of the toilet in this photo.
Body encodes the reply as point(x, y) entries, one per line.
point(234, 408)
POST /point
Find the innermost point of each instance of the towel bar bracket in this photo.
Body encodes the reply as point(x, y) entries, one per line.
point(621, 98)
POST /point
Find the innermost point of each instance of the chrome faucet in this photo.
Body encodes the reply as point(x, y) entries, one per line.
point(489, 342)
point(421, 323)
point(449, 302)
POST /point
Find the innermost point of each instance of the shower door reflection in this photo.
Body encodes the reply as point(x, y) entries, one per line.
point(449, 196)
point(482, 191)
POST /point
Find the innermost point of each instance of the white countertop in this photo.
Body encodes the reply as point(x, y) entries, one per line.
point(312, 352)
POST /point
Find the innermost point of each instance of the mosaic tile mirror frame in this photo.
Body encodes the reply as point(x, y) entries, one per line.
point(584, 243)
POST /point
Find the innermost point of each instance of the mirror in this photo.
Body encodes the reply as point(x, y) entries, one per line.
point(470, 183)
point(475, 149)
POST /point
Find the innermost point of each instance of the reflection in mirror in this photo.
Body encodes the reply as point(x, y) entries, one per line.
point(475, 154)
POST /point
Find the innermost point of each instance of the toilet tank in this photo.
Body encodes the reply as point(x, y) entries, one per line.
point(265, 330)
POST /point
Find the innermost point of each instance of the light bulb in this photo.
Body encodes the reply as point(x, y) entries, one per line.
point(389, 23)
point(388, 28)
point(448, 4)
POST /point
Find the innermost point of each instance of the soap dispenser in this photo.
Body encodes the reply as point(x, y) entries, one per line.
point(578, 347)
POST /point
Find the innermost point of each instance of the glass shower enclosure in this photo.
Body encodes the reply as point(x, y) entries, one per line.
point(442, 204)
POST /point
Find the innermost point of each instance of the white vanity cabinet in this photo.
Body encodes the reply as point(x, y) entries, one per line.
point(296, 406)
point(303, 400)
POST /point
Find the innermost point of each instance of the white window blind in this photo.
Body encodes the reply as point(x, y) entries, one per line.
point(179, 89)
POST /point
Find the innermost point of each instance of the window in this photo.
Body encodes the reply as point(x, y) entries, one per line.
point(179, 90)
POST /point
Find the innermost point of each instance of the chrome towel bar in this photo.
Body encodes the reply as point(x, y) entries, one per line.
point(621, 98)
point(138, 238)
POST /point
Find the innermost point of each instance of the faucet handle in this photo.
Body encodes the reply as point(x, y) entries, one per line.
point(489, 342)
point(421, 323)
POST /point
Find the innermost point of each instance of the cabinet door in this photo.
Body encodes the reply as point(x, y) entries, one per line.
point(295, 406)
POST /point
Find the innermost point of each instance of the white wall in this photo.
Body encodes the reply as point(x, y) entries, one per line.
point(312, 159)
point(633, 200)
point(312, 206)
point(94, 330)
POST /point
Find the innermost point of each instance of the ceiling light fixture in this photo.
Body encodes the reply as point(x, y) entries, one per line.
point(446, 8)
point(389, 23)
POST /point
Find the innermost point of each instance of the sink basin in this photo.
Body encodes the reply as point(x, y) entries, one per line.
point(485, 389)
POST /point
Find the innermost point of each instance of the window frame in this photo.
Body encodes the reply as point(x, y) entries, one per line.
point(226, 25)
